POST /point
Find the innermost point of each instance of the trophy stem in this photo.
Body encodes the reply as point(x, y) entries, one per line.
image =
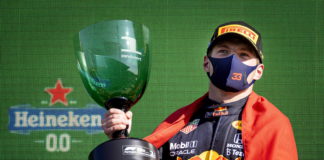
point(123, 104)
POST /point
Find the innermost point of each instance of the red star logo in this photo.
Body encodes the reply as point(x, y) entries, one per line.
point(59, 93)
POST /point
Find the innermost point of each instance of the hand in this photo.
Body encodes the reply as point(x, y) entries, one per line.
point(115, 120)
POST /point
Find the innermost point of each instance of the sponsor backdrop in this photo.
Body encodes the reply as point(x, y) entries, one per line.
point(47, 114)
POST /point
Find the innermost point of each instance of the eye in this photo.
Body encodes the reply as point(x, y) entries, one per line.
point(223, 51)
point(244, 55)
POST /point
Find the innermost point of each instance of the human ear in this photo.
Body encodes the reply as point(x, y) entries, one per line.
point(258, 72)
point(206, 64)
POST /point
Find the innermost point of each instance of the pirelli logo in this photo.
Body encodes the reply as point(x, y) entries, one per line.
point(246, 32)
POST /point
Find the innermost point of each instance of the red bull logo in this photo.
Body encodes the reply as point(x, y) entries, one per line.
point(207, 155)
point(220, 111)
point(221, 158)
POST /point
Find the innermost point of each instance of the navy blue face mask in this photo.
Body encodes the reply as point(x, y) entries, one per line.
point(230, 74)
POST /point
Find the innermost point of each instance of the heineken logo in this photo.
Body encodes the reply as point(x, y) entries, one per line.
point(55, 117)
point(25, 118)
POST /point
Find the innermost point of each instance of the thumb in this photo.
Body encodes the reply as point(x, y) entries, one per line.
point(129, 115)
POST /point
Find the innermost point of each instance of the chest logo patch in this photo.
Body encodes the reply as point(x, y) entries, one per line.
point(220, 111)
point(190, 127)
point(237, 124)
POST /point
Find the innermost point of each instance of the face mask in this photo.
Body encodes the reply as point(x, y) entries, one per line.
point(230, 74)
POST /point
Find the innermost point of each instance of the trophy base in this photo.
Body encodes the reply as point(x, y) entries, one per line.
point(124, 149)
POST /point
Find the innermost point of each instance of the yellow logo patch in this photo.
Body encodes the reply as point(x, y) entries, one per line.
point(237, 124)
point(244, 31)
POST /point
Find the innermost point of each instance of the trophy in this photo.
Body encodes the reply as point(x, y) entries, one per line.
point(113, 61)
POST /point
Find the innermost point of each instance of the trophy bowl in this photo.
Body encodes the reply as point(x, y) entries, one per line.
point(113, 61)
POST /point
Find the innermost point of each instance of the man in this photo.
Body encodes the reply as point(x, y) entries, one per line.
point(230, 122)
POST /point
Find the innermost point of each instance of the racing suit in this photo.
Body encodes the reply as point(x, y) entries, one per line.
point(266, 133)
point(213, 131)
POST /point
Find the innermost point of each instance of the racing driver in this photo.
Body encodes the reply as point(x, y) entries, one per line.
point(231, 121)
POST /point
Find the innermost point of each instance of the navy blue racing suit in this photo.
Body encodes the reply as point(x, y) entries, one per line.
point(214, 131)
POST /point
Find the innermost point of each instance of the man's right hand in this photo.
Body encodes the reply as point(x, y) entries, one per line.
point(115, 120)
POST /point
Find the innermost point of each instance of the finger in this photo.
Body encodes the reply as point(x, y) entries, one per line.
point(117, 116)
point(106, 114)
point(129, 114)
point(109, 112)
point(105, 124)
point(104, 120)
point(113, 122)
point(115, 119)
point(113, 116)
point(113, 129)
point(115, 111)
point(118, 127)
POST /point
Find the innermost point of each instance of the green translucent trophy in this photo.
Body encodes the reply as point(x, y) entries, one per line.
point(113, 60)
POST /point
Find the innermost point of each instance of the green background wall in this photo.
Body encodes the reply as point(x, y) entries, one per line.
point(36, 49)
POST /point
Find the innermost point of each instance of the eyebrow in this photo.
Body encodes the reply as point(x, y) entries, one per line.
point(247, 49)
point(242, 48)
point(222, 45)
